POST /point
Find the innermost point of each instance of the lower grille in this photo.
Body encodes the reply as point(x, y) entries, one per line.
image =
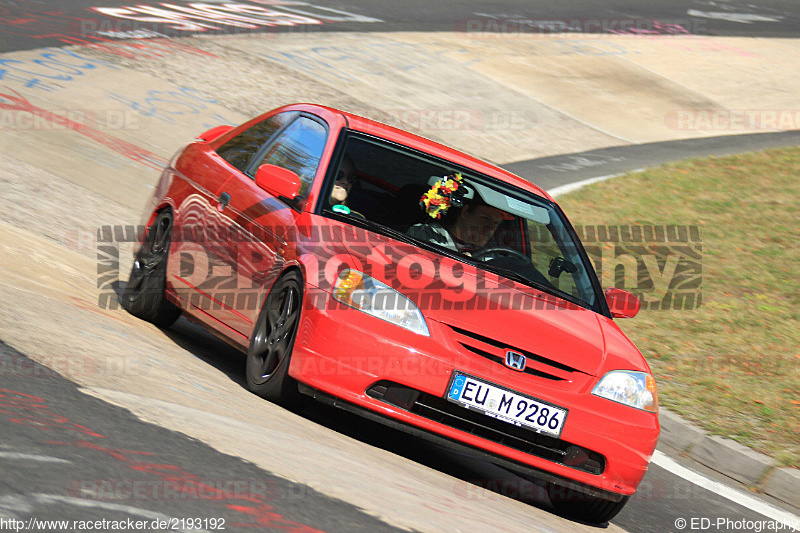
point(486, 427)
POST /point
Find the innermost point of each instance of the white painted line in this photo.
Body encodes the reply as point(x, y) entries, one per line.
point(14, 456)
point(742, 18)
point(736, 496)
point(572, 187)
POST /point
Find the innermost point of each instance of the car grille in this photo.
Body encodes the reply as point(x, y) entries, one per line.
point(458, 417)
point(495, 350)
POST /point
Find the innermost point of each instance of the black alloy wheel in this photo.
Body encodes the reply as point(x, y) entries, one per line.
point(273, 340)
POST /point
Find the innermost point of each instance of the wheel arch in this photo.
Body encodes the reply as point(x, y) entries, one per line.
point(149, 217)
point(293, 267)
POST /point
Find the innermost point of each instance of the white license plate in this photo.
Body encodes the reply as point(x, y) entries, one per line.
point(506, 405)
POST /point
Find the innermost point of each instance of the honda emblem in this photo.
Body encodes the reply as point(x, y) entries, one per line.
point(515, 360)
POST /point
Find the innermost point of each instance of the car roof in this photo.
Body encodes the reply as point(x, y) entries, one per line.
point(397, 135)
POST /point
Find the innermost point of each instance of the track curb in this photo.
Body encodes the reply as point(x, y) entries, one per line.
point(731, 459)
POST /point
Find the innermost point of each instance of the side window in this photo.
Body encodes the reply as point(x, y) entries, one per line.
point(241, 148)
point(299, 149)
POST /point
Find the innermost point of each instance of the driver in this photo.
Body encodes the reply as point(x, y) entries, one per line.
point(345, 179)
point(474, 226)
point(466, 231)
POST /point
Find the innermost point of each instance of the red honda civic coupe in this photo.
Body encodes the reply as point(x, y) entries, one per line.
point(410, 283)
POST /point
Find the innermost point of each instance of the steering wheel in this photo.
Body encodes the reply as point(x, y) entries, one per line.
point(528, 270)
point(500, 251)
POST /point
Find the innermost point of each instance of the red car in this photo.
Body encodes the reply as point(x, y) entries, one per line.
point(408, 282)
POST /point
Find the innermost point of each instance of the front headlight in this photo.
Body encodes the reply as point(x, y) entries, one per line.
point(369, 295)
point(637, 389)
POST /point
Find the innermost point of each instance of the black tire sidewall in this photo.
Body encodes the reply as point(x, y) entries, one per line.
point(279, 388)
point(150, 302)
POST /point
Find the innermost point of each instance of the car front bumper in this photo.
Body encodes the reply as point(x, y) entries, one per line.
point(343, 356)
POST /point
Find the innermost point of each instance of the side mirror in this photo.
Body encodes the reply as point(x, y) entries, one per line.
point(215, 132)
point(278, 181)
point(622, 304)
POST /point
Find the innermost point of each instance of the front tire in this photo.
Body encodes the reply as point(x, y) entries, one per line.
point(272, 343)
point(144, 295)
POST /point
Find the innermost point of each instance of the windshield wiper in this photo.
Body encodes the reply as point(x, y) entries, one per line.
point(516, 276)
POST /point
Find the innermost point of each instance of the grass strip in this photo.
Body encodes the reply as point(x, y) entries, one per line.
point(731, 365)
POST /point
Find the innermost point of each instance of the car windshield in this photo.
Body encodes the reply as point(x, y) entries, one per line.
point(453, 210)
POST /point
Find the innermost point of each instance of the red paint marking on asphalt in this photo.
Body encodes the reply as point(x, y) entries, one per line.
point(43, 417)
point(17, 102)
point(130, 49)
point(72, 30)
point(262, 514)
point(264, 517)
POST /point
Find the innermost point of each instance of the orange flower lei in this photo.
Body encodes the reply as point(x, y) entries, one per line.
point(442, 196)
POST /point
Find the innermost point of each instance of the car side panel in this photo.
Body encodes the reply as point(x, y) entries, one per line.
point(194, 267)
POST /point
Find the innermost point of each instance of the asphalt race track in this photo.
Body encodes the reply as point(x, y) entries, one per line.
point(104, 417)
point(558, 172)
point(103, 453)
point(765, 18)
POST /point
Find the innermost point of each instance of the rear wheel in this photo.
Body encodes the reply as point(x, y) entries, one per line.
point(144, 295)
point(582, 507)
point(272, 342)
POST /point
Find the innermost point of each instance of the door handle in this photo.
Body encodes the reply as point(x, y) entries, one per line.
point(223, 201)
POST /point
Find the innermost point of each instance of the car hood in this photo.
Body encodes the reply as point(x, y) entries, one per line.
point(535, 323)
point(491, 306)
